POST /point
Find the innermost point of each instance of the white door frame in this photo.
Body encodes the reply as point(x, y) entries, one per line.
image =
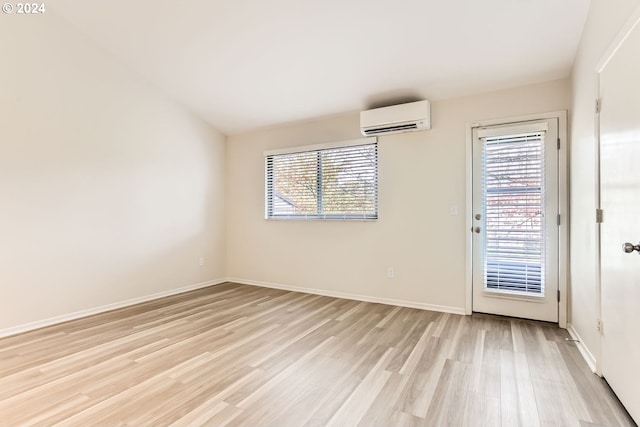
point(563, 206)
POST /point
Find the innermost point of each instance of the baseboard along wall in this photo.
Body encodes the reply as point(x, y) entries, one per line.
point(584, 350)
point(102, 309)
point(122, 304)
point(356, 297)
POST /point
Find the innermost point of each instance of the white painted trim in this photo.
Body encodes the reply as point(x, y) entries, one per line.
point(468, 306)
point(514, 119)
point(323, 146)
point(622, 35)
point(356, 297)
point(583, 349)
point(563, 205)
point(598, 231)
point(102, 309)
point(563, 210)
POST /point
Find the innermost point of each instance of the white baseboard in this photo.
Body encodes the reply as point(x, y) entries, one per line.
point(97, 310)
point(122, 304)
point(584, 350)
point(344, 295)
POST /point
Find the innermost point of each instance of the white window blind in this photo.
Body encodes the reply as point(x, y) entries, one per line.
point(331, 183)
point(513, 192)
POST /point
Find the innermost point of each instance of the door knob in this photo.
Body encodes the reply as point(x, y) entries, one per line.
point(478, 216)
point(477, 230)
point(630, 247)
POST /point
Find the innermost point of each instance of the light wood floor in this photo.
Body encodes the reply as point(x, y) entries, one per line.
point(246, 356)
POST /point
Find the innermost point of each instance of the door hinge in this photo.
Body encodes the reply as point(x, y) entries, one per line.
point(558, 219)
point(558, 296)
point(598, 105)
point(599, 214)
point(599, 325)
point(558, 143)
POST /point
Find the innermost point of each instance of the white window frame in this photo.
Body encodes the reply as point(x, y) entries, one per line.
point(319, 147)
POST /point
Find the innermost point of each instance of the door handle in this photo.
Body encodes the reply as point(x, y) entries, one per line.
point(630, 247)
point(477, 230)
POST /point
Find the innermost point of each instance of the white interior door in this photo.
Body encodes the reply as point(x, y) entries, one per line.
point(620, 201)
point(515, 228)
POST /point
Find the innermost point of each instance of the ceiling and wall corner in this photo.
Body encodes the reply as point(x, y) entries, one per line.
point(247, 64)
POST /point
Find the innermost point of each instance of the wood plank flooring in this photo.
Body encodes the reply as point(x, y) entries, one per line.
point(237, 355)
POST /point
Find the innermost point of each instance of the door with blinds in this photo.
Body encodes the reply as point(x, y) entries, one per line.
point(515, 220)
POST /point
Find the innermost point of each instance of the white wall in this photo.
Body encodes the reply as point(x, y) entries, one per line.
point(108, 191)
point(604, 21)
point(420, 176)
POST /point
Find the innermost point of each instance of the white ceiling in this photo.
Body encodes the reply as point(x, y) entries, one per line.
point(244, 64)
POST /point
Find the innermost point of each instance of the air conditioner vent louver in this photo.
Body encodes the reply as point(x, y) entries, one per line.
point(408, 117)
point(387, 129)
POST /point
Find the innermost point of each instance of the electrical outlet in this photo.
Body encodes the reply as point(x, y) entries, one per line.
point(453, 210)
point(201, 261)
point(390, 272)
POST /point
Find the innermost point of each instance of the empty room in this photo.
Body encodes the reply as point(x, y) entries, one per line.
point(320, 213)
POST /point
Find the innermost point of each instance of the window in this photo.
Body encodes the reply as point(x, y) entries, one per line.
point(513, 192)
point(323, 182)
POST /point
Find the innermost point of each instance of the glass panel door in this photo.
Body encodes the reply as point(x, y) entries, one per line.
point(515, 220)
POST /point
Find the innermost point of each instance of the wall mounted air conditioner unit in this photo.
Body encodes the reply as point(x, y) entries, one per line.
point(409, 117)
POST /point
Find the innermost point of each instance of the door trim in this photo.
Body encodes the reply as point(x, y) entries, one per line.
point(563, 205)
